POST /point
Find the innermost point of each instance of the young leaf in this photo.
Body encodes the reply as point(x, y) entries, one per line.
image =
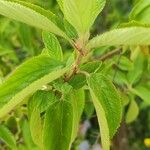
point(7, 137)
point(29, 15)
point(124, 36)
point(108, 106)
point(57, 130)
point(81, 20)
point(132, 112)
point(52, 45)
point(28, 78)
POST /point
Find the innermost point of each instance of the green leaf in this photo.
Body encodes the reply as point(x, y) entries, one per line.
point(78, 103)
point(41, 100)
point(108, 106)
point(142, 92)
point(79, 80)
point(31, 15)
point(57, 130)
point(27, 79)
point(26, 37)
point(36, 127)
point(125, 36)
point(70, 30)
point(26, 134)
point(55, 19)
point(89, 109)
point(141, 12)
point(81, 20)
point(133, 76)
point(132, 112)
point(91, 67)
point(52, 45)
point(104, 129)
point(7, 137)
point(61, 5)
point(125, 64)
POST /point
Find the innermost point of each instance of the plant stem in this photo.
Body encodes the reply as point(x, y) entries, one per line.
point(109, 55)
point(74, 67)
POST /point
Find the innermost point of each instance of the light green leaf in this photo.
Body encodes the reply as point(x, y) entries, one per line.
point(91, 67)
point(70, 30)
point(36, 127)
point(142, 92)
point(123, 36)
point(52, 45)
point(7, 137)
point(104, 129)
point(78, 102)
point(141, 12)
point(132, 112)
point(81, 14)
point(108, 106)
point(26, 134)
point(57, 130)
point(27, 79)
point(55, 19)
point(29, 14)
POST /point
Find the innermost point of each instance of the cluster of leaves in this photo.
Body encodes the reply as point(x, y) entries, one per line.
point(52, 85)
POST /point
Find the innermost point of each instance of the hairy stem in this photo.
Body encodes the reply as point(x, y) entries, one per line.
point(109, 55)
point(74, 67)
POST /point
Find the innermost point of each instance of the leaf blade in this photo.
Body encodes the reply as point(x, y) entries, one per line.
point(124, 36)
point(7, 137)
point(57, 128)
point(28, 84)
point(36, 127)
point(132, 112)
point(74, 12)
point(53, 46)
point(106, 101)
point(20, 12)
